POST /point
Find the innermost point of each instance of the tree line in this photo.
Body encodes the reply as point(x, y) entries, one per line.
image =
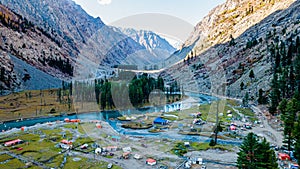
point(285, 87)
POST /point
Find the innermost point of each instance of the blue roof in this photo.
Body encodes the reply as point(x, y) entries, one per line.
point(160, 120)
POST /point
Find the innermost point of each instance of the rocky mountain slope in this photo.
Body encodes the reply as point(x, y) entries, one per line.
point(21, 38)
point(61, 39)
point(232, 40)
point(152, 42)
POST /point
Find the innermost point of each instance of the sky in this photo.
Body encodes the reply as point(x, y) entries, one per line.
point(159, 16)
point(110, 11)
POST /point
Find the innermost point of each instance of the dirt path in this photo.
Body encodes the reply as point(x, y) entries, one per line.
point(268, 130)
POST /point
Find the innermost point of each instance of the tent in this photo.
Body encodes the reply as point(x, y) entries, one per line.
point(98, 151)
point(160, 121)
point(283, 156)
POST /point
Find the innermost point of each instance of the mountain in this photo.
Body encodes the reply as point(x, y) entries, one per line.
point(62, 40)
point(152, 42)
point(233, 39)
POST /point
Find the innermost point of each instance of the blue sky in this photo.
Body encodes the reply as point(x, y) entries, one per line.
point(109, 11)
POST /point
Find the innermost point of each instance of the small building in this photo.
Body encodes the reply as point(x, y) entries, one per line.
point(137, 156)
point(151, 161)
point(284, 156)
point(67, 120)
point(115, 138)
point(293, 166)
point(187, 144)
point(98, 125)
point(75, 120)
point(110, 148)
point(188, 164)
point(160, 121)
point(66, 142)
point(232, 128)
point(126, 155)
point(84, 146)
point(127, 149)
point(66, 146)
point(197, 160)
point(13, 142)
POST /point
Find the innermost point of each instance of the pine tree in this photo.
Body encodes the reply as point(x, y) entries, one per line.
point(288, 116)
point(297, 73)
point(242, 85)
point(297, 139)
point(261, 99)
point(254, 154)
point(246, 99)
point(251, 74)
point(275, 95)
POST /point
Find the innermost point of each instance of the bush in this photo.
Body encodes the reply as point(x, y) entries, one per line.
point(212, 142)
point(52, 111)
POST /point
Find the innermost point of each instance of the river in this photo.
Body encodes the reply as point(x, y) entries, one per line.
point(110, 117)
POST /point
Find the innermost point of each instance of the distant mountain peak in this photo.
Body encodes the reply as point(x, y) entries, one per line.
point(154, 43)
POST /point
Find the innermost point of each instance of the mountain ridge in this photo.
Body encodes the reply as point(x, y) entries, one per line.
point(231, 61)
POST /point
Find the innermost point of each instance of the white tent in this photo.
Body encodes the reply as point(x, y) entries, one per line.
point(98, 150)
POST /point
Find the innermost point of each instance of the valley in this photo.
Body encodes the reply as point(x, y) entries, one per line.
point(77, 92)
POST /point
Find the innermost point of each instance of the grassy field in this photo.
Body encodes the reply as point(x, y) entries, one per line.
point(87, 163)
point(14, 163)
point(205, 146)
point(32, 103)
point(248, 112)
point(42, 147)
point(4, 157)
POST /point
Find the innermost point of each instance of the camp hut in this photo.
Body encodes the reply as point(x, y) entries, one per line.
point(160, 121)
point(293, 166)
point(283, 156)
point(137, 156)
point(232, 128)
point(98, 125)
point(110, 148)
point(127, 149)
point(84, 146)
point(126, 155)
point(197, 160)
point(150, 161)
point(75, 120)
point(115, 138)
point(66, 142)
point(13, 142)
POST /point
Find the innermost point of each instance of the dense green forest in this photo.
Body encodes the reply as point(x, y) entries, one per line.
point(111, 94)
point(284, 97)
